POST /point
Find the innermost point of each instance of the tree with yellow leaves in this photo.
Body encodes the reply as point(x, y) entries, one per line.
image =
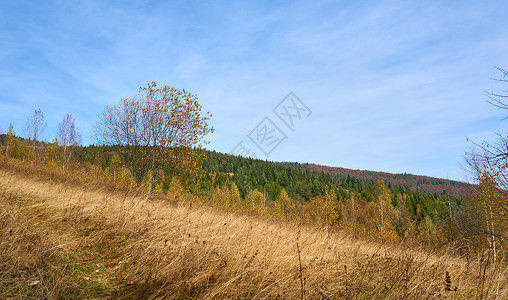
point(383, 203)
point(492, 201)
point(13, 148)
point(256, 200)
point(330, 211)
point(161, 128)
point(234, 195)
point(285, 205)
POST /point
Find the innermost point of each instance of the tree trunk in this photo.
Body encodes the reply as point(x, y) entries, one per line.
point(493, 233)
point(382, 215)
point(490, 229)
point(153, 180)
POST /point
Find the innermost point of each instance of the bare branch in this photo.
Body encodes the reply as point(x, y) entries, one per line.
point(34, 126)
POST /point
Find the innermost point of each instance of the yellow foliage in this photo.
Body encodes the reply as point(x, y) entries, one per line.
point(234, 195)
point(256, 200)
point(285, 205)
point(176, 190)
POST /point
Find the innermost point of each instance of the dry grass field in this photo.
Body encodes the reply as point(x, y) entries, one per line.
point(59, 240)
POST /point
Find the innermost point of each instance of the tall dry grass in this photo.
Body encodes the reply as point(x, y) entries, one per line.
point(62, 240)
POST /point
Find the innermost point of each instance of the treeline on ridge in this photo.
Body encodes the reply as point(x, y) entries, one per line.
point(420, 182)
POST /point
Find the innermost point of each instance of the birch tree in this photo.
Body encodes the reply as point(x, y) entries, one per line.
point(68, 136)
point(34, 127)
point(383, 204)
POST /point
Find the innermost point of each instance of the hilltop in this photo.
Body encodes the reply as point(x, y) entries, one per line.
point(414, 182)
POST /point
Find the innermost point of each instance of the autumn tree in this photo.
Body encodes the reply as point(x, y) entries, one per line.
point(13, 148)
point(285, 204)
point(234, 195)
point(160, 128)
point(383, 204)
point(34, 127)
point(490, 204)
point(488, 166)
point(493, 203)
point(256, 200)
point(330, 212)
point(68, 136)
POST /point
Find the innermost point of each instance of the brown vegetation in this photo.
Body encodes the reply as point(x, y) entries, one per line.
point(66, 237)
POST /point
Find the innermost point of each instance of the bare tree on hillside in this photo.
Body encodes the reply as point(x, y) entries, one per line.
point(34, 127)
point(68, 136)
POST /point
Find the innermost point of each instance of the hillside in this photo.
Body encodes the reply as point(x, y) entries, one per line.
point(414, 182)
point(292, 192)
point(295, 192)
point(62, 240)
point(304, 184)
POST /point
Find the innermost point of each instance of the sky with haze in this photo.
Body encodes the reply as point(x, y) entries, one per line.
point(393, 86)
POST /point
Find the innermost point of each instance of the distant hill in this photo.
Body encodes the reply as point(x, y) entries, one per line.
point(414, 182)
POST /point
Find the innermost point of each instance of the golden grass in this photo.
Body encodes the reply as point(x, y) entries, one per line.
point(59, 240)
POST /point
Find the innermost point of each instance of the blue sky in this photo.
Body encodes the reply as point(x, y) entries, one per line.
point(393, 86)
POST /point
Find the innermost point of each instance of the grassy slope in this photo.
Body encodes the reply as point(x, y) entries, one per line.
point(64, 241)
